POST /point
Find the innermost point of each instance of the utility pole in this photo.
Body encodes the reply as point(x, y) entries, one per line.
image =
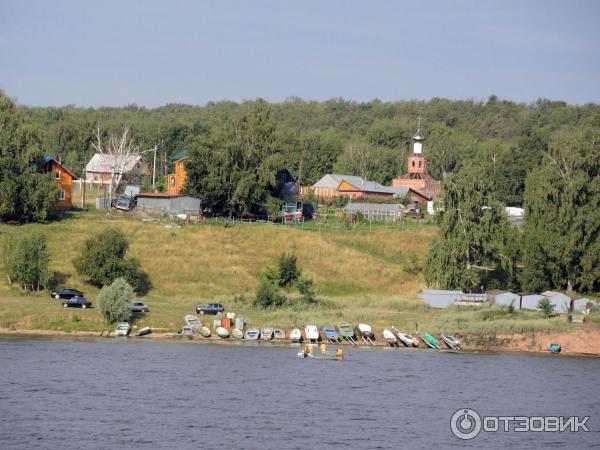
point(154, 170)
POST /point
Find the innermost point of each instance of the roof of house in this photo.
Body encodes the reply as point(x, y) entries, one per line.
point(47, 159)
point(333, 180)
point(103, 163)
point(183, 153)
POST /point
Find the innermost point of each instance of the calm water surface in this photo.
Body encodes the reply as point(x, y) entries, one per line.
point(114, 394)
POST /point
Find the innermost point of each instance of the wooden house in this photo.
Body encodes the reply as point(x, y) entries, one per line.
point(64, 180)
point(101, 167)
point(176, 180)
point(335, 185)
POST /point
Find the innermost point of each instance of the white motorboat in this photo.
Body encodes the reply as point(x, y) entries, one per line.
point(390, 338)
point(192, 321)
point(296, 335)
point(222, 332)
point(365, 330)
point(312, 333)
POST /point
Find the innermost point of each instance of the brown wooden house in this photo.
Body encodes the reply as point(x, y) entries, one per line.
point(64, 180)
point(176, 180)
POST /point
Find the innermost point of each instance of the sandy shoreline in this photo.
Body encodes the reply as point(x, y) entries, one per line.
point(583, 342)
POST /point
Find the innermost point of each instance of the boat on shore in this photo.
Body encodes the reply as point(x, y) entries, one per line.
point(331, 334)
point(406, 339)
point(204, 332)
point(312, 333)
point(296, 335)
point(144, 331)
point(450, 341)
point(266, 334)
point(123, 329)
point(554, 348)
point(429, 340)
point(222, 332)
point(192, 321)
point(252, 334)
point(186, 332)
point(347, 332)
point(390, 338)
point(278, 333)
point(237, 334)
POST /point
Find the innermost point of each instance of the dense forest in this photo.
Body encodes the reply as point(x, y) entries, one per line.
point(313, 138)
point(544, 156)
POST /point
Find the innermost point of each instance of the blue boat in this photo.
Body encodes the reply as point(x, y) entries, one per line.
point(554, 348)
point(331, 334)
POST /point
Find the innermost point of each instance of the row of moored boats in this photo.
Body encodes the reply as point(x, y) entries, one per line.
point(344, 332)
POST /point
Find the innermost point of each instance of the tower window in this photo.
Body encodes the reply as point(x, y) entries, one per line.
point(419, 164)
point(413, 164)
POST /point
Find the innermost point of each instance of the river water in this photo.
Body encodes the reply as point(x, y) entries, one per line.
point(116, 394)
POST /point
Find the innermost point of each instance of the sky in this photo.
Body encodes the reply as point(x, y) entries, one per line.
point(153, 52)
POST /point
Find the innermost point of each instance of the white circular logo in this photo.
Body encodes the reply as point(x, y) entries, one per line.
point(465, 424)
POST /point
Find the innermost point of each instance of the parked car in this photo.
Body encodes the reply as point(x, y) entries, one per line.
point(123, 329)
point(76, 302)
point(139, 307)
point(125, 203)
point(66, 293)
point(210, 308)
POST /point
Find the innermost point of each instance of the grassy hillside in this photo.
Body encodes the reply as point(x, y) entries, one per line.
point(359, 276)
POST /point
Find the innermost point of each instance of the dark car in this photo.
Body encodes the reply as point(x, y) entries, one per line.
point(76, 302)
point(139, 307)
point(210, 308)
point(66, 293)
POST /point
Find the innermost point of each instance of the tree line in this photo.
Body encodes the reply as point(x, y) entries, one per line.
point(489, 154)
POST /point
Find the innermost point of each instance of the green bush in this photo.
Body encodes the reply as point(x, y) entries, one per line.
point(305, 286)
point(267, 295)
point(287, 265)
point(546, 307)
point(114, 301)
point(103, 261)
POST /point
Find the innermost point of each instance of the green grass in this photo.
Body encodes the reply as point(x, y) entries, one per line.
point(359, 277)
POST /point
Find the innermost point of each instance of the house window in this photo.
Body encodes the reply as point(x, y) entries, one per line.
point(173, 181)
point(61, 194)
point(57, 175)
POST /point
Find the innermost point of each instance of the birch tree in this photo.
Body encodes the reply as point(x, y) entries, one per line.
point(118, 150)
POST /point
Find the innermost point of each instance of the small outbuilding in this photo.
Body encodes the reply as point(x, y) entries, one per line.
point(169, 203)
point(439, 298)
point(502, 298)
point(528, 300)
point(560, 301)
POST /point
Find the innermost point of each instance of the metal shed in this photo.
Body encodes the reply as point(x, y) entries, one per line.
point(168, 203)
point(439, 298)
point(528, 301)
point(503, 298)
point(560, 301)
point(376, 211)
